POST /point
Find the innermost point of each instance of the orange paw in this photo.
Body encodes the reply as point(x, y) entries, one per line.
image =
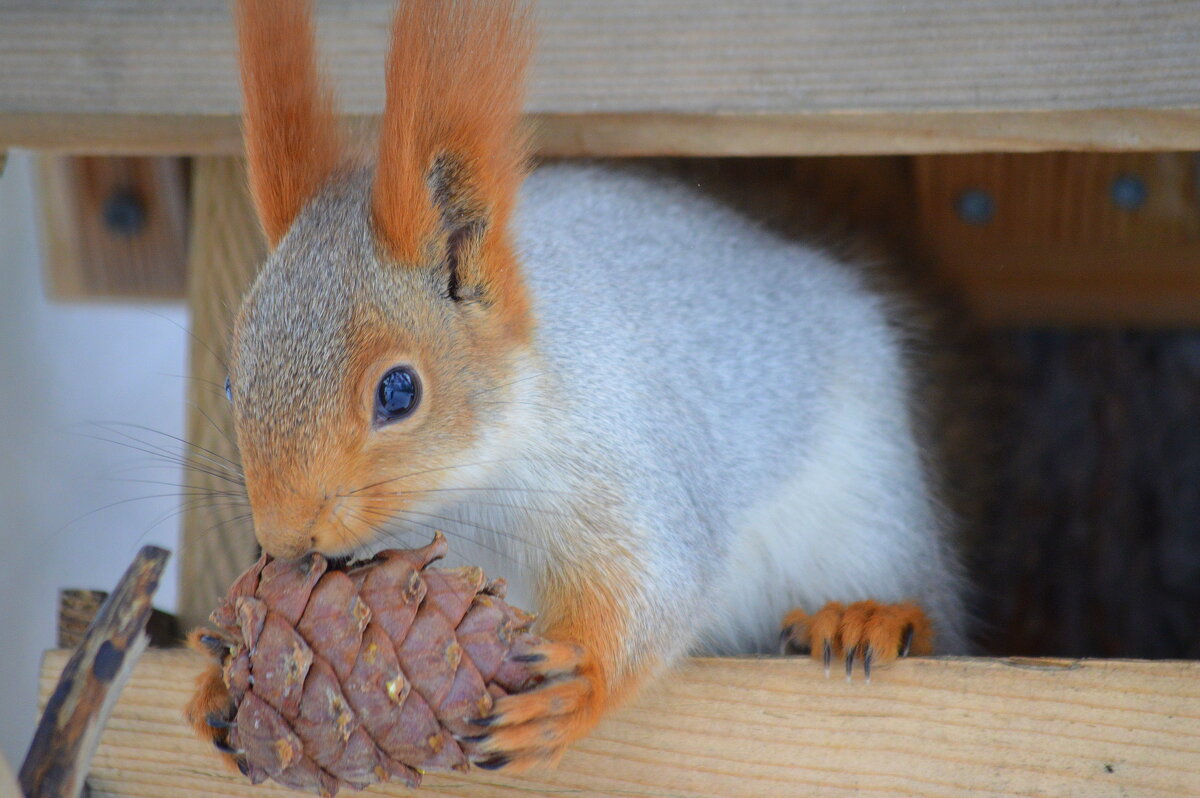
point(534, 728)
point(210, 710)
point(877, 633)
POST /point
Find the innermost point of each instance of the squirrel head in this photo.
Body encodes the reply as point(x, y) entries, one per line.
point(368, 355)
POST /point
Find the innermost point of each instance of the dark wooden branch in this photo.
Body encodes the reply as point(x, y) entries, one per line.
point(69, 731)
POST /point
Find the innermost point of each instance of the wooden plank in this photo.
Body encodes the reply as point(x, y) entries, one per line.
point(1059, 246)
point(643, 134)
point(777, 727)
point(677, 76)
point(113, 228)
point(226, 250)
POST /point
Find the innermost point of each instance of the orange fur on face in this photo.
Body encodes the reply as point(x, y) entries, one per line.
point(455, 86)
point(451, 160)
point(291, 138)
point(343, 479)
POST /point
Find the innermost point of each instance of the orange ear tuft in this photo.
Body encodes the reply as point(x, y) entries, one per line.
point(455, 86)
point(291, 137)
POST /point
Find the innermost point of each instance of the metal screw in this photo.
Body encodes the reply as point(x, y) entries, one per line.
point(123, 213)
point(1128, 192)
point(975, 206)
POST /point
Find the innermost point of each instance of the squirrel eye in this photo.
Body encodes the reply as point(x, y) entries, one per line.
point(229, 390)
point(398, 394)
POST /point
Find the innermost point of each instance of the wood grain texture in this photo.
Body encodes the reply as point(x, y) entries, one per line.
point(138, 254)
point(777, 727)
point(226, 250)
point(639, 134)
point(626, 76)
point(76, 611)
point(1058, 248)
point(78, 702)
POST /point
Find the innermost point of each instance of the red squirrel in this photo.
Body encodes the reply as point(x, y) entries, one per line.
point(665, 424)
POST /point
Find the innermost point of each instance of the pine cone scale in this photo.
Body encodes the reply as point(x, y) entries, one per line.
point(395, 590)
point(286, 586)
point(337, 616)
point(280, 661)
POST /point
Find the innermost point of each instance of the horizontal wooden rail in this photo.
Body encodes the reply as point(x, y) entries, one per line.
point(776, 727)
point(675, 76)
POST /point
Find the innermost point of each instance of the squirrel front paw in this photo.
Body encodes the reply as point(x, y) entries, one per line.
point(873, 632)
point(210, 709)
point(534, 728)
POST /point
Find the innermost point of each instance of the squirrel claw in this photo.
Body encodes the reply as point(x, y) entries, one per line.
point(874, 633)
point(791, 644)
point(475, 738)
point(225, 748)
point(534, 728)
point(906, 645)
point(210, 709)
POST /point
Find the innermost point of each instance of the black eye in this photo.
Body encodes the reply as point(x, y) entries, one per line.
point(398, 394)
point(229, 390)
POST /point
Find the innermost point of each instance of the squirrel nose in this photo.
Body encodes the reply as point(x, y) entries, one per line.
point(285, 544)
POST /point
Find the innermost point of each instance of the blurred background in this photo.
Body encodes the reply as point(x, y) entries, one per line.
point(73, 516)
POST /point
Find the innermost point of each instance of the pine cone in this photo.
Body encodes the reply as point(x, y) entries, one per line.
point(346, 677)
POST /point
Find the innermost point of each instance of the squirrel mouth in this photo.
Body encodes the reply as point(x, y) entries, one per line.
point(339, 563)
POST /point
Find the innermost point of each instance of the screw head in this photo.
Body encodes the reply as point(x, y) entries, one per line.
point(1128, 192)
point(123, 213)
point(975, 206)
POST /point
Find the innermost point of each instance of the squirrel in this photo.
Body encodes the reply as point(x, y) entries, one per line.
point(676, 426)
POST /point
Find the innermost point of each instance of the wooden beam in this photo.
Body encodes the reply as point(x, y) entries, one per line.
point(1067, 238)
point(113, 228)
point(676, 76)
point(645, 134)
point(776, 727)
point(226, 250)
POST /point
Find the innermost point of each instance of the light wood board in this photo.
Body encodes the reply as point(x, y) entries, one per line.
point(84, 257)
point(776, 727)
point(675, 76)
point(1059, 249)
point(226, 250)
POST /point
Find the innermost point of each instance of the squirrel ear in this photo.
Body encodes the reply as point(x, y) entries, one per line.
point(292, 142)
point(452, 151)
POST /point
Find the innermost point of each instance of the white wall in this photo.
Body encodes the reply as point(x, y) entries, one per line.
point(64, 367)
